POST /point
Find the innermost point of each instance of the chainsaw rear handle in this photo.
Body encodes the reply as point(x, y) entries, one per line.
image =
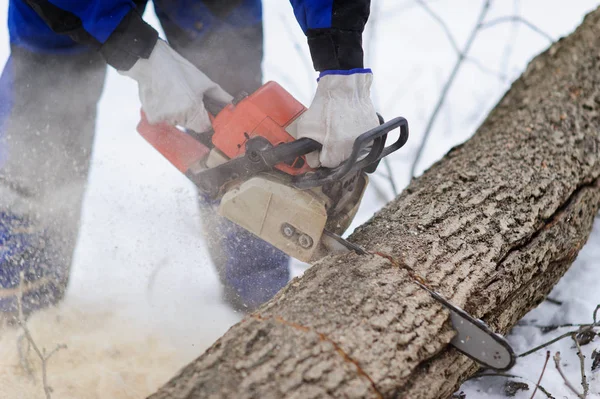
point(374, 138)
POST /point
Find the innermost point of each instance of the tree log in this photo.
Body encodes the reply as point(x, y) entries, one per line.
point(492, 226)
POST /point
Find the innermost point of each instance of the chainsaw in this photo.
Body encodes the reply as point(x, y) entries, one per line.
point(257, 171)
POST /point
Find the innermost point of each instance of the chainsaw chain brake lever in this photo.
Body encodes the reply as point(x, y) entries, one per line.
point(371, 143)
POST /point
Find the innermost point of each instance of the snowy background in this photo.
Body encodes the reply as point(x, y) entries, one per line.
point(144, 299)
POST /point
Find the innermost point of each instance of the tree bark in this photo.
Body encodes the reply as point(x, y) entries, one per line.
point(492, 226)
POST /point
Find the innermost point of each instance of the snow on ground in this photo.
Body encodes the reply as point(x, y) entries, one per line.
point(144, 299)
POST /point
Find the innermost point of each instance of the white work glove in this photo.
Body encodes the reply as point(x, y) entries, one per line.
point(172, 89)
point(340, 112)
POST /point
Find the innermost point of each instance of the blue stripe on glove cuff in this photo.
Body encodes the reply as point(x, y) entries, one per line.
point(344, 72)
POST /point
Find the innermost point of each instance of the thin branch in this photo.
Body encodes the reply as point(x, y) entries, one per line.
point(583, 326)
point(567, 383)
point(554, 301)
point(24, 356)
point(541, 375)
point(517, 18)
point(537, 348)
point(41, 354)
point(404, 86)
point(510, 43)
point(388, 167)
point(152, 278)
point(488, 71)
point(401, 7)
point(379, 191)
point(453, 43)
point(442, 24)
point(584, 383)
point(541, 388)
point(446, 88)
point(370, 51)
point(549, 328)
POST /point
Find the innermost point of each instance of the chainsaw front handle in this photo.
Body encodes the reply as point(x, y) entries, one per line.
point(261, 156)
point(371, 143)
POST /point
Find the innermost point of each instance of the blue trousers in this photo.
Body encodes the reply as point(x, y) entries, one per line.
point(49, 90)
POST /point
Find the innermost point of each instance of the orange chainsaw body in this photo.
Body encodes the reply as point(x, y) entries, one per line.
point(265, 113)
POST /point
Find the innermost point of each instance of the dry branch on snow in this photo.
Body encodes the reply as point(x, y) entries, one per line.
point(492, 226)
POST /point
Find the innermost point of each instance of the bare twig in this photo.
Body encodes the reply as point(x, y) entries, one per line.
point(567, 383)
point(485, 69)
point(537, 348)
point(545, 392)
point(403, 87)
point(583, 326)
point(400, 7)
point(388, 167)
point(510, 43)
point(370, 51)
point(41, 354)
point(152, 278)
point(449, 82)
point(517, 18)
point(24, 356)
point(442, 24)
point(379, 191)
point(541, 375)
point(553, 327)
point(554, 301)
point(541, 388)
point(453, 43)
point(584, 383)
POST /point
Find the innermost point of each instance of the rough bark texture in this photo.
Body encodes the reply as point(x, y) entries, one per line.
point(492, 226)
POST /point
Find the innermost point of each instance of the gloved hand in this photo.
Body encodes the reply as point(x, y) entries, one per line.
point(172, 89)
point(340, 112)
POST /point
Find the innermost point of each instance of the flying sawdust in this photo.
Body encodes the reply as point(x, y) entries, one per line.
point(107, 356)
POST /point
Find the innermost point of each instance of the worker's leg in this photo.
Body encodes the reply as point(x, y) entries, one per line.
point(48, 94)
point(224, 39)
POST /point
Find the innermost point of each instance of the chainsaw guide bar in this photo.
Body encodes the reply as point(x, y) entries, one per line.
point(473, 337)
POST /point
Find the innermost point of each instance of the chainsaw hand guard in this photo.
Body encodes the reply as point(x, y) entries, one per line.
point(374, 138)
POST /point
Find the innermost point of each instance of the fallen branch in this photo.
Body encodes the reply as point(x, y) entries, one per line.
point(506, 375)
point(548, 343)
point(564, 377)
point(584, 383)
point(20, 319)
point(541, 375)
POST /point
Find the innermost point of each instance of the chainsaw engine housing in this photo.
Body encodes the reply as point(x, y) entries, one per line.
point(258, 170)
point(290, 219)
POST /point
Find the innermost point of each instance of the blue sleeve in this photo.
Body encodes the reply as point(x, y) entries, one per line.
point(313, 14)
point(334, 31)
point(112, 26)
point(98, 18)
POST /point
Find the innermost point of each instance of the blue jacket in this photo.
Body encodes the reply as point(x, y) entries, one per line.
point(333, 27)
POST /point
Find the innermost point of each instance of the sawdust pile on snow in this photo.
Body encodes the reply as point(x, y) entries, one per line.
point(107, 356)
